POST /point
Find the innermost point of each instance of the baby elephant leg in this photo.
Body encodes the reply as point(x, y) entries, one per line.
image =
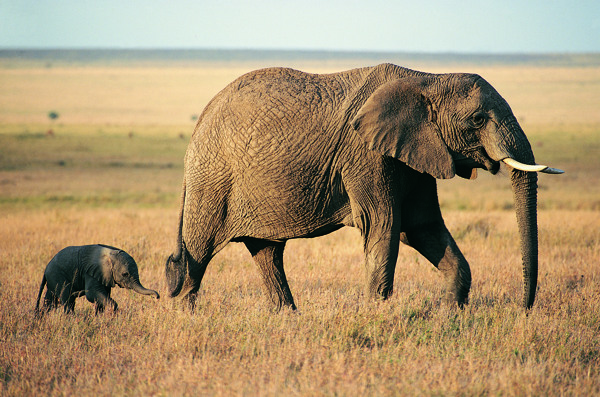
point(70, 302)
point(51, 301)
point(99, 295)
point(102, 301)
point(67, 298)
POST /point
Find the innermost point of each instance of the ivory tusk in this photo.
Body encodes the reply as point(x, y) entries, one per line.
point(531, 168)
point(550, 170)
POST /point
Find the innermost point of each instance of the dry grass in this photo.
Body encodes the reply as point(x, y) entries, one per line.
point(91, 183)
point(340, 343)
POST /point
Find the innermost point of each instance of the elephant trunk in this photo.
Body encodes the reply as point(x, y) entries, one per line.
point(524, 186)
point(511, 146)
point(137, 287)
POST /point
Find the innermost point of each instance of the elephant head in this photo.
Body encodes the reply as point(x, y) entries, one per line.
point(120, 268)
point(446, 125)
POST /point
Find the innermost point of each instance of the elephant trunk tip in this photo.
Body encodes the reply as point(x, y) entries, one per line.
point(145, 291)
point(153, 293)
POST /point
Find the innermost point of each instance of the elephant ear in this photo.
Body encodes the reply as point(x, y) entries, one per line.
point(397, 120)
point(96, 261)
point(106, 264)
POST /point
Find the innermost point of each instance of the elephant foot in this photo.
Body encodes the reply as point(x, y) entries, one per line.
point(190, 301)
point(282, 302)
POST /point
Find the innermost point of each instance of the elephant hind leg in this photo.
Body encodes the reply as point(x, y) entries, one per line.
point(268, 255)
point(193, 278)
point(66, 298)
point(70, 305)
point(51, 301)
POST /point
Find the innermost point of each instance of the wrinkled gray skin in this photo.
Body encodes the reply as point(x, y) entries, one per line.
point(281, 154)
point(90, 270)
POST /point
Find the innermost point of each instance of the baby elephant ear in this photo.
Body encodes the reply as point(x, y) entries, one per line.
point(397, 120)
point(98, 264)
point(108, 271)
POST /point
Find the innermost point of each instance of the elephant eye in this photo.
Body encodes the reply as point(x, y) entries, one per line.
point(478, 119)
point(125, 274)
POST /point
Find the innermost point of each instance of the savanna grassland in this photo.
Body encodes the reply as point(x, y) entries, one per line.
point(110, 172)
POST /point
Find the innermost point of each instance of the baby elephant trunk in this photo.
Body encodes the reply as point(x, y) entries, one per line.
point(137, 287)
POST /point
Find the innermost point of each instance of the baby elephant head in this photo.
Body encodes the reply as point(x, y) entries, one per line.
point(124, 272)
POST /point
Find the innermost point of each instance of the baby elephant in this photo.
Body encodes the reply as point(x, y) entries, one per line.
point(90, 270)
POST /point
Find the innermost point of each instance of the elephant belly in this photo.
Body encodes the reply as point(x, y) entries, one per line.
point(58, 282)
point(254, 205)
point(287, 211)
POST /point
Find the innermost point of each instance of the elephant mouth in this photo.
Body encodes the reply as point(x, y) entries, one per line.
point(465, 165)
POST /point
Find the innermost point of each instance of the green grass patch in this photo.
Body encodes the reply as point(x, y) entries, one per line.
point(90, 166)
point(30, 147)
point(93, 200)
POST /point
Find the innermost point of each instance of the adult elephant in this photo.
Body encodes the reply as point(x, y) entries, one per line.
point(281, 154)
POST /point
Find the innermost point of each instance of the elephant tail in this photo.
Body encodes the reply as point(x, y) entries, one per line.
point(42, 285)
point(175, 267)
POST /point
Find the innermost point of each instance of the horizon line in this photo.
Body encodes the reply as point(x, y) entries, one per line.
point(302, 50)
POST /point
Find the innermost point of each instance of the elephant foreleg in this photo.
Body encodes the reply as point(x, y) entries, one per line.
point(103, 302)
point(435, 243)
point(381, 255)
point(99, 295)
point(268, 255)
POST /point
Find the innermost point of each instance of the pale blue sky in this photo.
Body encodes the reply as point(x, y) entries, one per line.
point(374, 25)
